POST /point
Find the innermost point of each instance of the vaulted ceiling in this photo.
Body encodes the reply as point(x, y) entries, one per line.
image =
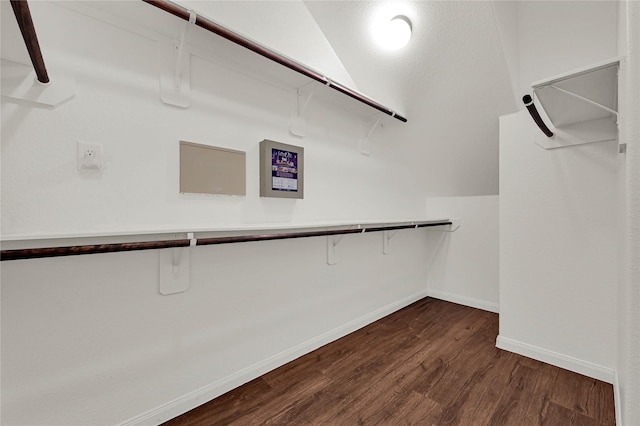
point(448, 37)
point(451, 80)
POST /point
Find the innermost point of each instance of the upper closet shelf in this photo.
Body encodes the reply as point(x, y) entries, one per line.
point(581, 104)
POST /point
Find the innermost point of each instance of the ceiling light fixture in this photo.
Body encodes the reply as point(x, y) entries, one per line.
point(399, 31)
point(395, 33)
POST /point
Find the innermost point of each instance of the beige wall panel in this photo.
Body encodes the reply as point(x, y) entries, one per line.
point(208, 169)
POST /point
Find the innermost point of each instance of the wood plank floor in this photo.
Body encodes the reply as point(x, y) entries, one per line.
point(431, 363)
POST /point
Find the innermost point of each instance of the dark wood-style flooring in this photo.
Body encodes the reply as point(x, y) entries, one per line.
point(431, 363)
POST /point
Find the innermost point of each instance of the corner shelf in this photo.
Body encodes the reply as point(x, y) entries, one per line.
point(581, 104)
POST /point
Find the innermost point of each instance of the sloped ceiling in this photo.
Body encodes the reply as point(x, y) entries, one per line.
point(451, 81)
point(285, 26)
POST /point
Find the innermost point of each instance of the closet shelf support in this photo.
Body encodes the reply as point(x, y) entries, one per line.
point(587, 100)
point(180, 49)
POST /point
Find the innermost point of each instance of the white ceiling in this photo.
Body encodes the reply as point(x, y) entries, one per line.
point(451, 81)
point(445, 34)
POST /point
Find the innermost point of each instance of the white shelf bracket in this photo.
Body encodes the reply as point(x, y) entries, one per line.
point(371, 124)
point(587, 100)
point(301, 98)
point(175, 269)
point(19, 83)
point(386, 241)
point(332, 242)
point(180, 49)
point(175, 72)
point(581, 104)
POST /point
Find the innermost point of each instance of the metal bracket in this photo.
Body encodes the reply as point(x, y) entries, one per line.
point(595, 104)
point(175, 86)
point(371, 123)
point(577, 113)
point(175, 269)
point(386, 241)
point(301, 98)
point(180, 49)
point(332, 242)
point(587, 100)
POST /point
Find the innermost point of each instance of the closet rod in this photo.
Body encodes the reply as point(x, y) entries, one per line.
point(183, 13)
point(528, 102)
point(28, 30)
point(34, 253)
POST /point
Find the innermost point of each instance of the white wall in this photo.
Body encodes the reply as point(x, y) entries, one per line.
point(543, 38)
point(117, 104)
point(555, 37)
point(628, 395)
point(464, 265)
point(558, 250)
point(506, 14)
point(558, 208)
point(539, 39)
point(89, 340)
point(559, 36)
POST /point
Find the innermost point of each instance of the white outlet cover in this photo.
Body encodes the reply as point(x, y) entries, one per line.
point(89, 157)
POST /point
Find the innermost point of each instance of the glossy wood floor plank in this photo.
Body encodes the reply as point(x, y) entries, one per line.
point(432, 363)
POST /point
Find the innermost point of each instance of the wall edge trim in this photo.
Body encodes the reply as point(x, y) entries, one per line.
point(200, 396)
point(617, 398)
point(576, 365)
point(464, 300)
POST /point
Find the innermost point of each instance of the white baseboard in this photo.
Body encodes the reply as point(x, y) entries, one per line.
point(616, 398)
point(463, 300)
point(198, 397)
point(559, 360)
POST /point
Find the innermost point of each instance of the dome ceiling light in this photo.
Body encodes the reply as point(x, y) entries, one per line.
point(394, 34)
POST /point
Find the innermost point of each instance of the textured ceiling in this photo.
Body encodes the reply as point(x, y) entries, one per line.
point(451, 81)
point(448, 36)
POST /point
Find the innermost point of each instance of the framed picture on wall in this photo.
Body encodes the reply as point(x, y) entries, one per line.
point(281, 170)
